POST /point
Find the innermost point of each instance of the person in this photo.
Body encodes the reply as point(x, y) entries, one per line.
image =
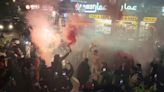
point(139, 70)
point(14, 50)
point(83, 72)
point(139, 87)
point(63, 82)
point(43, 77)
point(63, 46)
point(43, 69)
point(107, 76)
point(67, 74)
point(14, 64)
point(28, 48)
point(160, 78)
point(68, 69)
point(105, 73)
point(92, 47)
point(57, 62)
point(4, 73)
point(55, 73)
point(122, 78)
point(95, 66)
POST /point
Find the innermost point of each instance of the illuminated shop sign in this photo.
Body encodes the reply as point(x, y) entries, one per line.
point(98, 16)
point(130, 18)
point(89, 8)
point(150, 19)
point(128, 7)
point(32, 7)
point(37, 6)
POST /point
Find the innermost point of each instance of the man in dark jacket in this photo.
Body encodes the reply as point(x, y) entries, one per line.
point(57, 63)
point(83, 72)
point(55, 72)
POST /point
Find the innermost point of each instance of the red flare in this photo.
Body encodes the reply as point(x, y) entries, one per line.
point(71, 35)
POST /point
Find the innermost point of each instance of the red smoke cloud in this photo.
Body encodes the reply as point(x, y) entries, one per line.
point(73, 26)
point(71, 35)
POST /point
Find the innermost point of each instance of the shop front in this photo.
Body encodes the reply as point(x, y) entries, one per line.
point(147, 27)
point(102, 23)
point(127, 27)
point(130, 23)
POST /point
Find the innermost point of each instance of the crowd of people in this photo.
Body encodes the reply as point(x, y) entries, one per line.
point(22, 71)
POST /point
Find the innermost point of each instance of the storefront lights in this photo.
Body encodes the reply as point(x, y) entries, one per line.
point(163, 9)
point(10, 26)
point(14, 1)
point(27, 7)
point(1, 27)
point(54, 13)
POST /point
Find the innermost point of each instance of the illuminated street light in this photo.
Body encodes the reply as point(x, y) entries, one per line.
point(10, 26)
point(1, 27)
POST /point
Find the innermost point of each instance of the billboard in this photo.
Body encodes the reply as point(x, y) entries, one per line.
point(88, 6)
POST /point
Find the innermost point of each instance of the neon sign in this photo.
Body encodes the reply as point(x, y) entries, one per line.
point(130, 18)
point(150, 19)
point(37, 6)
point(128, 7)
point(98, 16)
point(89, 8)
point(32, 6)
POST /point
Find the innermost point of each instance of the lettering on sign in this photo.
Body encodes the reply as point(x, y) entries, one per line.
point(37, 6)
point(128, 7)
point(32, 6)
point(98, 16)
point(89, 8)
point(150, 19)
point(130, 18)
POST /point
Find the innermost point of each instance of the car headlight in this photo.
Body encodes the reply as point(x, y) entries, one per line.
point(10, 26)
point(1, 27)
